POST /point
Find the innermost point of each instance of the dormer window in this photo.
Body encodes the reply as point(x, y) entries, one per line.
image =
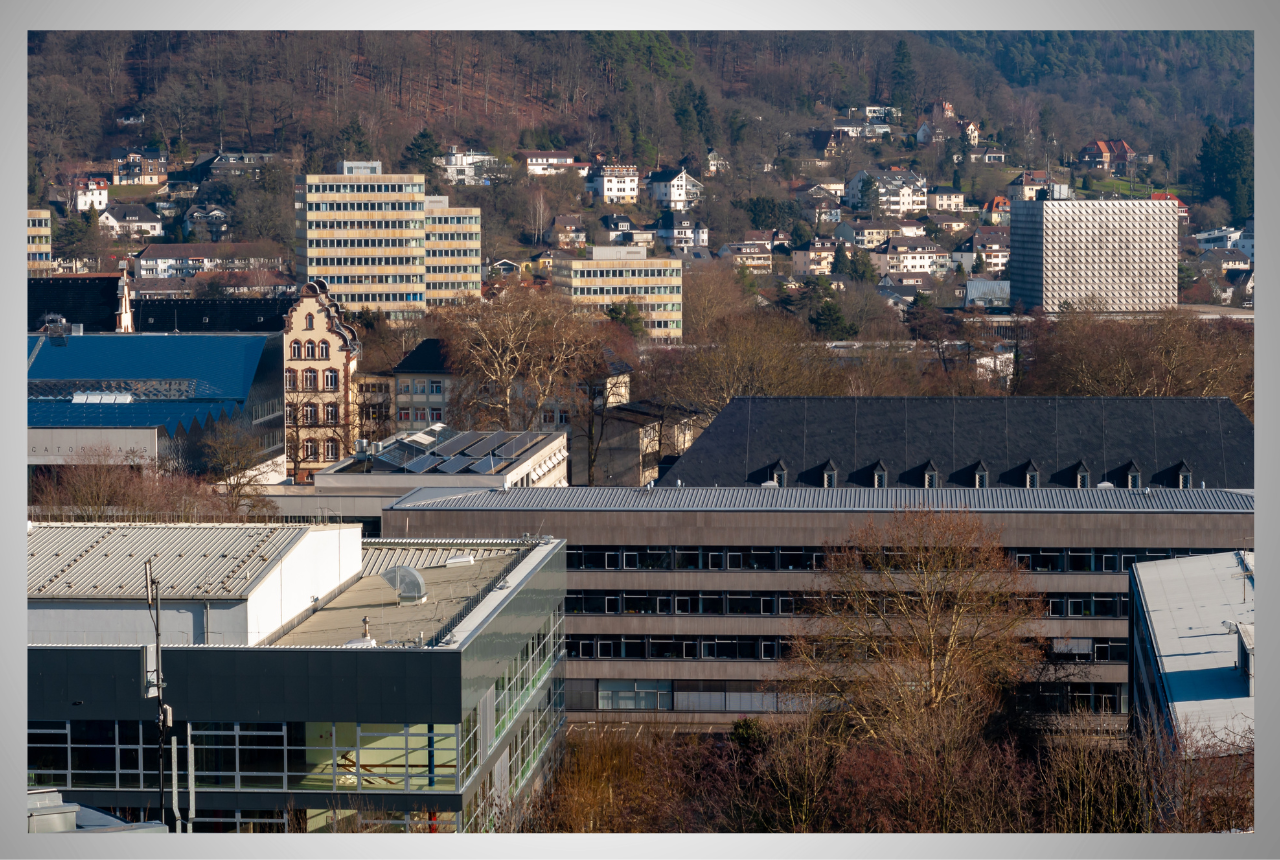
point(1184, 477)
point(981, 476)
point(930, 476)
point(1133, 477)
point(829, 475)
point(1032, 475)
point(879, 476)
point(1082, 477)
point(778, 474)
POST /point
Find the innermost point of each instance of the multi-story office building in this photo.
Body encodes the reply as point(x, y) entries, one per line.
point(422, 694)
point(620, 275)
point(362, 231)
point(681, 600)
point(452, 252)
point(1120, 255)
point(39, 241)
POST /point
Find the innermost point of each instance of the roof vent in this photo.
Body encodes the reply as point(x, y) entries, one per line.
point(773, 484)
point(459, 560)
point(408, 582)
point(364, 641)
point(1106, 485)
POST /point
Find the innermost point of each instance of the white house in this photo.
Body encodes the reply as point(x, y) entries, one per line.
point(900, 191)
point(550, 162)
point(876, 113)
point(614, 183)
point(680, 231)
point(464, 168)
point(715, 163)
point(945, 199)
point(90, 193)
point(122, 219)
point(674, 189)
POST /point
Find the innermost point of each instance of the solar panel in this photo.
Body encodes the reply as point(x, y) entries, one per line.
point(488, 465)
point(518, 444)
point(457, 464)
point(486, 445)
point(424, 463)
point(457, 443)
point(399, 455)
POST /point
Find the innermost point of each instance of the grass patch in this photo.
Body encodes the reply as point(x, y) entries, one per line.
point(131, 193)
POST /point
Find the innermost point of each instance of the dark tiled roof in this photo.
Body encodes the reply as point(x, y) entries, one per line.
point(427, 357)
point(168, 414)
point(1209, 435)
point(90, 300)
point(210, 315)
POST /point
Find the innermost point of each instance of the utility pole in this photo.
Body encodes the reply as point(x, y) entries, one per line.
point(164, 714)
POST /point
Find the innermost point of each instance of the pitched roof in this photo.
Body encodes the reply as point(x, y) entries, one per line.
point(89, 300)
point(427, 357)
point(1210, 435)
point(665, 175)
point(211, 315)
point(131, 211)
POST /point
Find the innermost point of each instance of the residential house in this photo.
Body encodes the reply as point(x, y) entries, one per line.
point(814, 257)
point(566, 231)
point(1245, 243)
point(621, 230)
point(950, 223)
point(810, 191)
point(1027, 185)
point(825, 210)
point(996, 211)
point(1105, 155)
point(543, 262)
point(987, 155)
point(928, 134)
point(867, 234)
point(505, 267)
point(226, 165)
point(876, 113)
point(1184, 214)
point(321, 353)
point(1240, 280)
point(39, 241)
point(674, 189)
point(899, 191)
point(991, 243)
point(1224, 260)
point(464, 168)
point(941, 110)
point(130, 219)
point(909, 254)
point(757, 257)
point(423, 381)
point(89, 194)
point(680, 231)
point(778, 240)
point(1223, 237)
point(614, 183)
point(182, 260)
point(911, 227)
point(550, 162)
point(213, 218)
point(634, 444)
point(969, 131)
point(715, 163)
point(945, 199)
point(134, 166)
point(900, 291)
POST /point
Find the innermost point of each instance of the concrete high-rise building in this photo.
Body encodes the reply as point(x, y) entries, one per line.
point(362, 232)
point(39, 241)
point(1120, 254)
point(621, 275)
point(452, 252)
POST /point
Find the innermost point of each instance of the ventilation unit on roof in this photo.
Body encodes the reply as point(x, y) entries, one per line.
point(459, 560)
point(408, 583)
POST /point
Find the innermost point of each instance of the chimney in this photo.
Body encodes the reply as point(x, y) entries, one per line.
point(365, 621)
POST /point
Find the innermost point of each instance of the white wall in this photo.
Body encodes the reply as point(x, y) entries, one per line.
point(320, 562)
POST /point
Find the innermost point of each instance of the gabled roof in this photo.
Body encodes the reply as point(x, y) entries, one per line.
point(89, 300)
point(1210, 435)
point(211, 315)
point(130, 211)
point(427, 357)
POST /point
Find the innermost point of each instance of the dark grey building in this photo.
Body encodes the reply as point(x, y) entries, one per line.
point(680, 600)
point(972, 442)
point(211, 315)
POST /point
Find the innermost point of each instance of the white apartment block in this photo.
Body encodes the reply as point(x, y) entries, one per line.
point(91, 194)
point(464, 168)
point(614, 183)
point(900, 191)
point(674, 189)
point(1121, 254)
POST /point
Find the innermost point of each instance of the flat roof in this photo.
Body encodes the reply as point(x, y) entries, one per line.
point(449, 592)
point(1001, 500)
point(1186, 600)
point(191, 560)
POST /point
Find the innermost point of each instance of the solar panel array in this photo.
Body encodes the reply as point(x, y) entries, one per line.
point(484, 446)
point(457, 443)
point(455, 465)
point(518, 444)
point(423, 463)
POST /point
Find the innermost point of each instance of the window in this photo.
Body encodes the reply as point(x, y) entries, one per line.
point(437, 414)
point(331, 413)
point(295, 350)
point(437, 387)
point(308, 449)
point(309, 414)
point(1082, 479)
point(324, 349)
point(980, 480)
point(288, 415)
point(881, 479)
point(1184, 481)
point(402, 415)
point(309, 350)
point(309, 379)
point(563, 417)
point(331, 380)
point(404, 387)
point(291, 380)
point(330, 449)
point(311, 322)
point(829, 478)
point(419, 414)
point(931, 480)
point(1134, 479)
point(548, 416)
point(419, 386)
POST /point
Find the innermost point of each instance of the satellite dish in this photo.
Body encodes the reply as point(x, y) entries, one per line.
point(408, 582)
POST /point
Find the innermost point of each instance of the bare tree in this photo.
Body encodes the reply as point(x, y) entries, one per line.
point(233, 456)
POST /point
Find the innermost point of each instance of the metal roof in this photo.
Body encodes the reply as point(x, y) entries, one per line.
point(838, 499)
point(1185, 601)
point(170, 414)
point(192, 560)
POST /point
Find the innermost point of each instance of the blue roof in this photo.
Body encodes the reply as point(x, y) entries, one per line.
point(223, 366)
point(152, 413)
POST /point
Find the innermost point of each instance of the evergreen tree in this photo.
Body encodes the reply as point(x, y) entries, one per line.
point(863, 269)
point(870, 196)
point(977, 264)
point(1086, 184)
point(903, 77)
point(961, 275)
point(629, 315)
point(955, 179)
point(829, 322)
point(353, 143)
point(419, 155)
point(842, 265)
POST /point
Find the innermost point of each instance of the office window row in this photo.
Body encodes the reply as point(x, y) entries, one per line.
point(605, 647)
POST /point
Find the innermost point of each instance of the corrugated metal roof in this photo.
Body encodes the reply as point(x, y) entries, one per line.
point(191, 560)
point(384, 555)
point(838, 499)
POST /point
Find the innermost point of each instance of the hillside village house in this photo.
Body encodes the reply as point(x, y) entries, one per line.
point(567, 231)
point(125, 219)
point(969, 131)
point(882, 114)
point(987, 155)
point(1105, 155)
point(621, 230)
point(997, 211)
point(225, 165)
point(909, 254)
point(822, 211)
point(464, 168)
point(320, 357)
point(1184, 214)
point(1027, 185)
point(715, 163)
point(814, 257)
point(190, 258)
point(945, 199)
point(90, 194)
point(134, 166)
point(674, 189)
point(614, 183)
point(550, 162)
point(950, 223)
point(899, 191)
point(213, 218)
point(681, 231)
point(992, 243)
point(867, 234)
point(757, 257)
point(779, 240)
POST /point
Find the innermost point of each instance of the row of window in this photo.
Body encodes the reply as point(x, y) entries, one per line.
point(381, 279)
point(364, 188)
point(421, 386)
point(37, 222)
point(364, 298)
point(310, 349)
point(310, 414)
point(1071, 605)
point(981, 478)
point(39, 240)
point(453, 270)
point(454, 237)
point(626, 291)
point(39, 256)
point(453, 219)
point(365, 261)
point(450, 285)
point(594, 647)
point(1035, 559)
point(380, 224)
point(661, 323)
point(453, 252)
point(665, 272)
point(368, 206)
point(597, 602)
point(309, 377)
point(645, 307)
point(312, 449)
point(364, 243)
point(420, 415)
